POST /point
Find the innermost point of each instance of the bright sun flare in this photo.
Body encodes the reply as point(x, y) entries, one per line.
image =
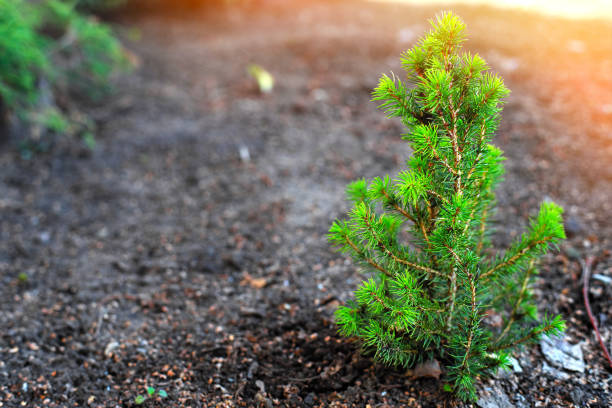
point(565, 8)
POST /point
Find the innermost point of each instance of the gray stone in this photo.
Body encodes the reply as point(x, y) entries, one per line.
point(573, 226)
point(572, 252)
point(602, 278)
point(494, 398)
point(516, 367)
point(110, 347)
point(578, 396)
point(561, 354)
point(260, 384)
point(252, 369)
point(520, 401)
point(554, 372)
point(502, 374)
point(309, 400)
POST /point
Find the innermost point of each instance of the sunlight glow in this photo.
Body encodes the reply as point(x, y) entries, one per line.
point(579, 9)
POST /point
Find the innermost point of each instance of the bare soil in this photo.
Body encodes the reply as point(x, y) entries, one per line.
point(166, 258)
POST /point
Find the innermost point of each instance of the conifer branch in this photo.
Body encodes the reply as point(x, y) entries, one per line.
point(436, 156)
point(551, 328)
point(438, 196)
point(399, 209)
point(453, 286)
point(481, 230)
point(367, 259)
point(455, 256)
point(453, 295)
point(425, 236)
point(406, 262)
point(468, 346)
point(483, 102)
point(517, 303)
point(451, 133)
point(473, 212)
point(399, 100)
point(453, 137)
point(471, 217)
point(464, 89)
point(515, 258)
point(381, 245)
point(458, 188)
point(479, 155)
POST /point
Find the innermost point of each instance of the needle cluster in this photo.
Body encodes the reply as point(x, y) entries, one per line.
point(433, 295)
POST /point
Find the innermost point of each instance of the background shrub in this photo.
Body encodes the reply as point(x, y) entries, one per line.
point(23, 56)
point(49, 49)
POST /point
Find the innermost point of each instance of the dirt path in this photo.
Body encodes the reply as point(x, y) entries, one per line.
point(164, 259)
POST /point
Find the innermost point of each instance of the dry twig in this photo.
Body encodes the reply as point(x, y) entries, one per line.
point(586, 274)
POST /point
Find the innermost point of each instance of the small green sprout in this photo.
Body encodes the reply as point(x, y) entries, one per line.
point(150, 392)
point(89, 140)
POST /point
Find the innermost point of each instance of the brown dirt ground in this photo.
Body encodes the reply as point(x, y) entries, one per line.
point(162, 259)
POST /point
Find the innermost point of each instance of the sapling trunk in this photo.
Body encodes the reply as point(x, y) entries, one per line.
point(428, 297)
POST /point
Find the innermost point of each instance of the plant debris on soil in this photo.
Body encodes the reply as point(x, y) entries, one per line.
point(187, 252)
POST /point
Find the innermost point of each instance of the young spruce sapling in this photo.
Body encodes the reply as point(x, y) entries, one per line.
point(428, 296)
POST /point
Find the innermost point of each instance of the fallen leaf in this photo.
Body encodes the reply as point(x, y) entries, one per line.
point(265, 80)
point(258, 283)
point(429, 368)
point(494, 319)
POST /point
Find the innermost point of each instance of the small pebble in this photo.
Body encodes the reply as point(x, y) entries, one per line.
point(561, 354)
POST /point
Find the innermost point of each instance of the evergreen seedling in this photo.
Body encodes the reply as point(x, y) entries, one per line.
point(429, 296)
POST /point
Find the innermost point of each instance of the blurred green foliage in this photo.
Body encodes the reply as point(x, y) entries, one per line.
point(23, 56)
point(100, 5)
point(136, 6)
point(97, 55)
point(50, 49)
